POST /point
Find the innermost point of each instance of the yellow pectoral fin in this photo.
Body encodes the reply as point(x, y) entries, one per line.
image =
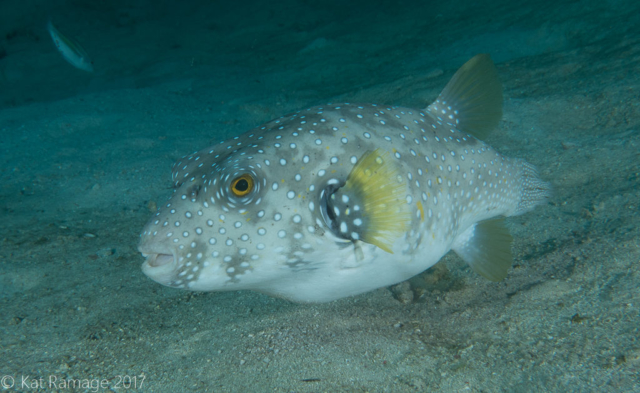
point(376, 184)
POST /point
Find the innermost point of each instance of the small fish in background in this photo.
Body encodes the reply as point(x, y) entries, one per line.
point(71, 50)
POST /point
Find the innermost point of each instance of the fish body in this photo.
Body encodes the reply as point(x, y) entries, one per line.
point(71, 50)
point(338, 200)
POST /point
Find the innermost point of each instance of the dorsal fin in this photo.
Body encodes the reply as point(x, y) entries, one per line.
point(472, 100)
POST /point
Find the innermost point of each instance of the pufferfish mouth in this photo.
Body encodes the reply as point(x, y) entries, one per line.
point(160, 267)
point(157, 260)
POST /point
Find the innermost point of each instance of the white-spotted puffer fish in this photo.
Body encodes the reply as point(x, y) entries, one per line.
point(337, 200)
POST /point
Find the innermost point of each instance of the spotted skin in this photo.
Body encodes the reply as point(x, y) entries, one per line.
point(275, 239)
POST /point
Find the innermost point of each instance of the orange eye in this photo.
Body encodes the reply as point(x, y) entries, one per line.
point(241, 186)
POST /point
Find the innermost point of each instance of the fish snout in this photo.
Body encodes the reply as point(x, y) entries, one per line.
point(161, 267)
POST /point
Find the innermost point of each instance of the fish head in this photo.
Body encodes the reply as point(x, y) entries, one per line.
point(85, 64)
point(246, 214)
point(283, 210)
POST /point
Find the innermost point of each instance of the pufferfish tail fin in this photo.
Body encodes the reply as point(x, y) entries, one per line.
point(371, 206)
point(472, 100)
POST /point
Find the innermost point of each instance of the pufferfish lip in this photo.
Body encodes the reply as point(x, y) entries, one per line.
point(157, 260)
point(159, 266)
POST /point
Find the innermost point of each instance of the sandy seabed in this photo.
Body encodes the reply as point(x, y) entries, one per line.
point(85, 156)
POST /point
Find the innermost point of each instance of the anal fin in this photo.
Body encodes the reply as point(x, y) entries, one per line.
point(486, 247)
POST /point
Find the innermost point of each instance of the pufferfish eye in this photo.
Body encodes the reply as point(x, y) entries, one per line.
point(242, 185)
